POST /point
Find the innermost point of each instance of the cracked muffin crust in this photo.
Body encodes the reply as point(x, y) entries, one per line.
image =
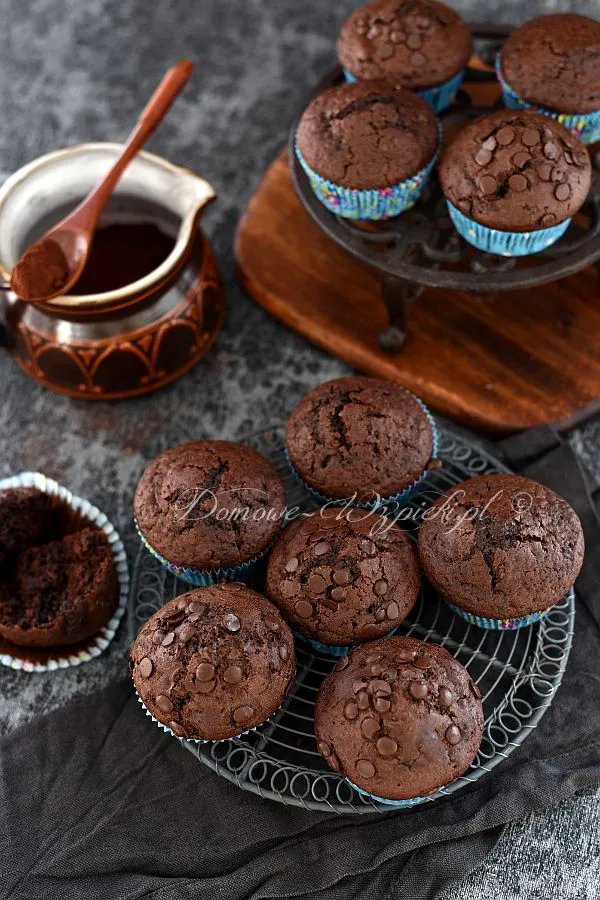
point(416, 43)
point(516, 170)
point(343, 576)
point(214, 662)
point(367, 135)
point(554, 61)
point(209, 504)
point(359, 436)
point(501, 546)
point(399, 718)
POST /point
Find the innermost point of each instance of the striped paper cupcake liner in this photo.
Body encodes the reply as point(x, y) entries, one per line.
point(439, 96)
point(585, 125)
point(334, 649)
point(412, 801)
point(505, 243)
point(61, 658)
point(499, 624)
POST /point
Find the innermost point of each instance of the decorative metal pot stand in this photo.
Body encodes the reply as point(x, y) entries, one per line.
point(422, 249)
point(518, 672)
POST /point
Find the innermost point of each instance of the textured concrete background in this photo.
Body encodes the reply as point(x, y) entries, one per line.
point(72, 71)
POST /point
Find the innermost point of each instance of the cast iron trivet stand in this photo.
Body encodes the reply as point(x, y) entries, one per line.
point(421, 248)
point(518, 671)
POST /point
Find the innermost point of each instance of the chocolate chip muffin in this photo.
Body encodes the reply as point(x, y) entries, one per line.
point(60, 593)
point(501, 547)
point(209, 505)
point(399, 718)
point(214, 662)
point(343, 576)
point(25, 520)
point(553, 61)
point(360, 438)
point(367, 135)
point(415, 43)
point(516, 171)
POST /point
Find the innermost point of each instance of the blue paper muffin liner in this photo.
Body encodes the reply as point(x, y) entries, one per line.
point(412, 801)
point(401, 497)
point(334, 649)
point(499, 624)
point(505, 243)
point(585, 125)
point(204, 577)
point(372, 205)
point(439, 96)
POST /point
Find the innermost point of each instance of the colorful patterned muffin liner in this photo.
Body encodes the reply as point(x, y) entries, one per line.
point(335, 649)
point(204, 577)
point(440, 96)
point(60, 658)
point(585, 125)
point(412, 801)
point(505, 243)
point(499, 624)
point(372, 205)
point(401, 497)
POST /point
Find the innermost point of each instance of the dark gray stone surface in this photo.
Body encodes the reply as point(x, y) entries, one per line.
point(72, 71)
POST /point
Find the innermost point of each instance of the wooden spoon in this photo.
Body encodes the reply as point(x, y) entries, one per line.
point(53, 264)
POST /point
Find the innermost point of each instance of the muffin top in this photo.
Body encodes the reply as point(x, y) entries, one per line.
point(399, 718)
point(516, 170)
point(554, 61)
point(501, 546)
point(367, 135)
point(343, 576)
point(416, 43)
point(359, 436)
point(214, 662)
point(209, 504)
point(25, 519)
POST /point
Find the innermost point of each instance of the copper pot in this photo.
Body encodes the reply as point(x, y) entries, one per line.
point(127, 341)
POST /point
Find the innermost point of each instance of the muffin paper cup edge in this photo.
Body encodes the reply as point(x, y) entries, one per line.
point(439, 96)
point(499, 624)
point(99, 642)
point(505, 243)
point(585, 125)
point(335, 649)
point(412, 801)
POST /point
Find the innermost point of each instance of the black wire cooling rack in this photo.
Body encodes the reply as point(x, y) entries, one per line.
point(518, 672)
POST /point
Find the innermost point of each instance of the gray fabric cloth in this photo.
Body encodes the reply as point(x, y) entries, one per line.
point(95, 803)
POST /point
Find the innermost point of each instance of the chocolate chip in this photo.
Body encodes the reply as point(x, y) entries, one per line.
point(365, 768)
point(186, 633)
point(359, 685)
point(205, 687)
point(309, 528)
point(445, 696)
point(368, 632)
point(453, 735)
point(323, 748)
point(397, 37)
point(284, 652)
point(363, 700)
point(392, 674)
point(182, 603)
point(317, 584)
point(545, 172)
point(385, 51)
point(414, 42)
point(145, 667)
point(423, 662)
point(487, 184)
point(568, 157)
point(330, 603)
point(304, 609)
point(386, 746)
point(367, 547)
point(168, 639)
point(374, 658)
point(422, 22)
point(580, 159)
point(406, 655)
point(341, 576)
point(242, 714)
point(505, 136)
point(341, 664)
point(393, 611)
point(418, 59)
point(205, 672)
point(375, 31)
point(158, 636)
point(550, 150)
point(333, 762)
point(321, 548)
point(292, 564)
point(490, 143)
point(232, 623)
point(272, 624)
point(338, 594)
point(548, 220)
point(370, 728)
point(376, 669)
point(233, 674)
point(195, 607)
point(175, 618)
point(355, 515)
point(381, 705)
point(380, 687)
point(163, 703)
point(351, 711)
point(520, 158)
point(380, 587)
point(418, 690)
point(530, 137)
point(517, 183)
point(380, 614)
point(562, 192)
point(483, 157)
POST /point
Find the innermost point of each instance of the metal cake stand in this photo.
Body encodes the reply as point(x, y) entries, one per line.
point(421, 248)
point(518, 672)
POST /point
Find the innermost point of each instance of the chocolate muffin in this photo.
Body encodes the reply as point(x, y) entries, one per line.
point(25, 520)
point(501, 546)
point(214, 662)
point(415, 43)
point(516, 171)
point(359, 437)
point(553, 61)
point(367, 135)
point(343, 576)
point(399, 718)
point(209, 505)
point(61, 592)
